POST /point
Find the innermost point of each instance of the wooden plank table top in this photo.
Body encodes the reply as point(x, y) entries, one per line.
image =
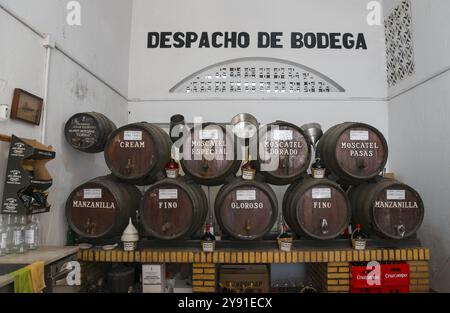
point(6, 280)
point(48, 255)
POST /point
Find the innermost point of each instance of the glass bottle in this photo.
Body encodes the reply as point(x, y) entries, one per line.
point(172, 169)
point(285, 239)
point(37, 222)
point(358, 234)
point(18, 245)
point(284, 234)
point(317, 169)
point(3, 236)
point(31, 234)
point(208, 240)
point(248, 171)
point(9, 230)
point(358, 239)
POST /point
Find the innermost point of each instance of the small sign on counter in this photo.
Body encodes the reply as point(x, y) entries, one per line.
point(153, 278)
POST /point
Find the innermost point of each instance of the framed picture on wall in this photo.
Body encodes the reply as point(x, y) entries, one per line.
point(26, 107)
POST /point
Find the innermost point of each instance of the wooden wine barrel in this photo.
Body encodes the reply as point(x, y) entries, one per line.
point(209, 155)
point(88, 132)
point(288, 153)
point(102, 207)
point(137, 153)
point(173, 209)
point(246, 210)
point(354, 152)
point(316, 208)
point(388, 209)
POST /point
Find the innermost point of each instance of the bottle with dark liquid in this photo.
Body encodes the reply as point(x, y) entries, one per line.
point(358, 234)
point(248, 171)
point(317, 169)
point(172, 169)
point(284, 233)
point(285, 239)
point(359, 238)
point(208, 240)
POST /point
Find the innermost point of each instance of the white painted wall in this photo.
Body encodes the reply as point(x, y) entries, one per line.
point(154, 71)
point(327, 113)
point(419, 129)
point(102, 40)
point(71, 88)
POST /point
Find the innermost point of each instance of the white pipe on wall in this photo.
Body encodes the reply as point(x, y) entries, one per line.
point(45, 92)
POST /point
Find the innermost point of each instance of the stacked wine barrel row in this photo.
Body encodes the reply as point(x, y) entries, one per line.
point(353, 153)
point(170, 209)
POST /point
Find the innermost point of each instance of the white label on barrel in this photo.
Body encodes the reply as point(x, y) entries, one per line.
point(395, 195)
point(282, 135)
point(132, 135)
point(92, 193)
point(168, 194)
point(246, 195)
point(359, 135)
point(321, 193)
point(208, 246)
point(209, 134)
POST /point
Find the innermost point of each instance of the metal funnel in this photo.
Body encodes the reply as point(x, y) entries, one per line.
point(244, 125)
point(313, 131)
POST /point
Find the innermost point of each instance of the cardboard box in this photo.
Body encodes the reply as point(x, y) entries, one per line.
point(182, 285)
point(248, 278)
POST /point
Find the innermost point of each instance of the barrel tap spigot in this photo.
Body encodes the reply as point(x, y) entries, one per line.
point(362, 164)
point(401, 230)
point(166, 227)
point(248, 228)
point(89, 226)
point(324, 227)
point(130, 166)
point(205, 164)
point(284, 163)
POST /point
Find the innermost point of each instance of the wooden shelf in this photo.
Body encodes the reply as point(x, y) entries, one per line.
point(330, 268)
point(254, 256)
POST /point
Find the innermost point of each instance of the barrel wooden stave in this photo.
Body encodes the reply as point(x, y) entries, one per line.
point(353, 165)
point(381, 216)
point(88, 132)
point(202, 166)
point(246, 219)
point(102, 216)
point(170, 219)
point(137, 153)
point(304, 213)
point(294, 155)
